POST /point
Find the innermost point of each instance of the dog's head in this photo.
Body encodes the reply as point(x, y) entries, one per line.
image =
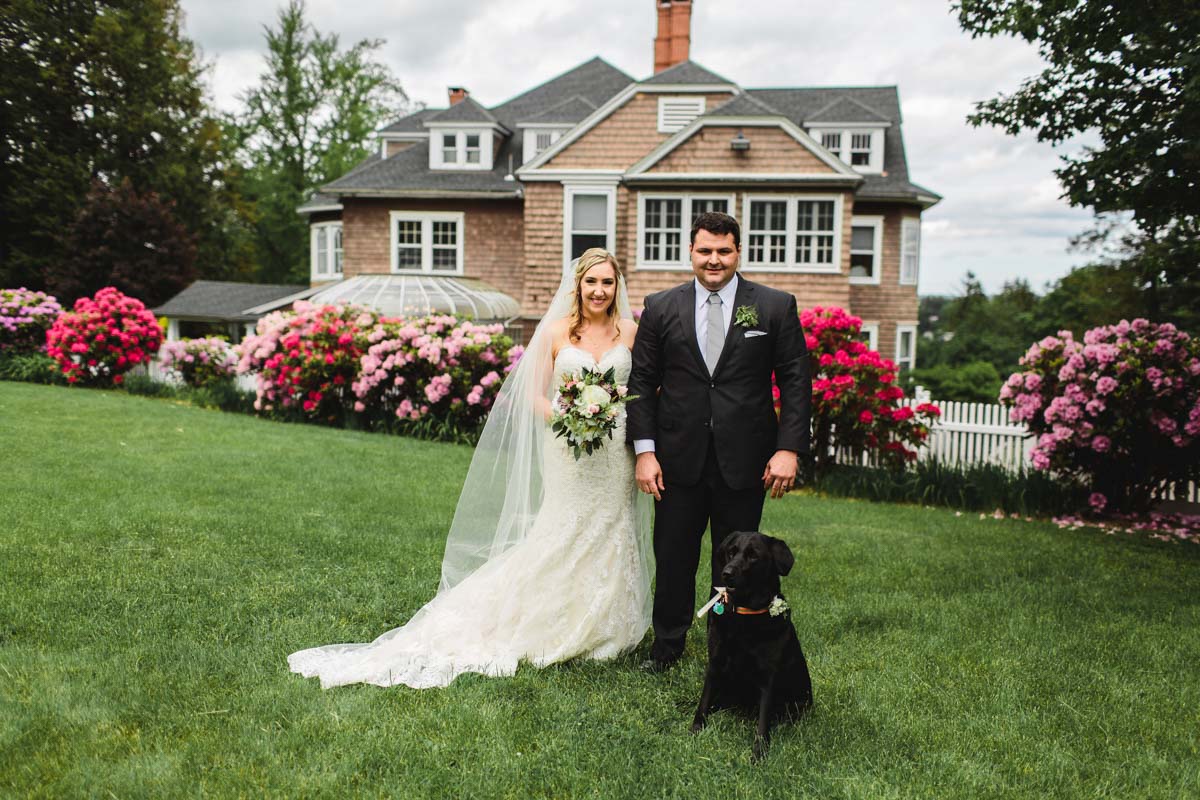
point(750, 564)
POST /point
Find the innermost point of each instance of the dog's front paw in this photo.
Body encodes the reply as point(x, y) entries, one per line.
point(759, 751)
point(697, 725)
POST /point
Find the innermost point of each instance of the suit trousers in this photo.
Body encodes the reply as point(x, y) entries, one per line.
point(680, 518)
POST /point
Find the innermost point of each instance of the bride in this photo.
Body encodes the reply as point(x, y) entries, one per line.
point(547, 558)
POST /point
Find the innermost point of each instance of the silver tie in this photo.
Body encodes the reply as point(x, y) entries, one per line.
point(716, 333)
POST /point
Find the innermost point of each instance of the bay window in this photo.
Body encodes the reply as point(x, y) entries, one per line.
point(326, 251)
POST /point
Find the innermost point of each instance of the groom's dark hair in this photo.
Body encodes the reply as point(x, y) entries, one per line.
point(719, 224)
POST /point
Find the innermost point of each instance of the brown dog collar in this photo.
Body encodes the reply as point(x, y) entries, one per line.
point(744, 610)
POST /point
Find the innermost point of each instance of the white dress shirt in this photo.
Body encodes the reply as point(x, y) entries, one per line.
point(727, 293)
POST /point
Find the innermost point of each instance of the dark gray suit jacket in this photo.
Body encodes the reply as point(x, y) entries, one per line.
point(678, 399)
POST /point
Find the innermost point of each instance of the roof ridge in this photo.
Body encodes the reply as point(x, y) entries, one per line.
point(743, 97)
point(658, 77)
point(811, 88)
point(848, 99)
point(563, 74)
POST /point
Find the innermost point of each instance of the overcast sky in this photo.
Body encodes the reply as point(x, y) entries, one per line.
point(1001, 217)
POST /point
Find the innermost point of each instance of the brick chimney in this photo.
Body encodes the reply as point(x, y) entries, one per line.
point(457, 94)
point(674, 37)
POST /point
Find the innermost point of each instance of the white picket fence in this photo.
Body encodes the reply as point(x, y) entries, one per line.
point(967, 434)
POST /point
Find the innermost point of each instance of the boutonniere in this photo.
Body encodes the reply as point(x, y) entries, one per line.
point(746, 316)
point(778, 606)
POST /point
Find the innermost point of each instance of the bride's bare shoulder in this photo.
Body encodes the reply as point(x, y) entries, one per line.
point(628, 330)
point(558, 335)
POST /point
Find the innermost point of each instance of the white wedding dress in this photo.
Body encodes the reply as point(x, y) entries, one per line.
point(576, 586)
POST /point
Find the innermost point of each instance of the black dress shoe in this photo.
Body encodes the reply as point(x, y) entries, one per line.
point(657, 665)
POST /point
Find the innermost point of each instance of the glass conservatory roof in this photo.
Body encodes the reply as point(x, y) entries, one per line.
point(418, 295)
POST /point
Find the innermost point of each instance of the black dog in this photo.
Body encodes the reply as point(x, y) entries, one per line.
point(754, 658)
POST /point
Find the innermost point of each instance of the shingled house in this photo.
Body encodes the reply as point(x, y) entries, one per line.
point(504, 196)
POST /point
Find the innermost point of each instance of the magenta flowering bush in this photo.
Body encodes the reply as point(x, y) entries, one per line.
point(305, 359)
point(103, 337)
point(437, 366)
point(199, 362)
point(25, 316)
point(1118, 413)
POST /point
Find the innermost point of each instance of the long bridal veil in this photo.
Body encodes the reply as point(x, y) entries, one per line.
point(503, 491)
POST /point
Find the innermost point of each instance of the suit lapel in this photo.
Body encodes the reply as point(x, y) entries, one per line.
point(687, 318)
point(744, 296)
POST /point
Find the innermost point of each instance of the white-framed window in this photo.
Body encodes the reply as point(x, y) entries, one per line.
point(538, 139)
point(326, 250)
point(589, 219)
point(427, 241)
point(906, 345)
point(543, 139)
point(675, 113)
point(461, 149)
point(910, 250)
point(858, 147)
point(801, 233)
point(866, 244)
point(665, 225)
point(869, 334)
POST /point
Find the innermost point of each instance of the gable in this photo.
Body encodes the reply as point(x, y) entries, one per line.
point(623, 138)
point(772, 150)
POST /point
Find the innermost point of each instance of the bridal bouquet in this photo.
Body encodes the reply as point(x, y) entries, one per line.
point(587, 408)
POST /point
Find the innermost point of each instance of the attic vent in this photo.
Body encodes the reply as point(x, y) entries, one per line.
point(674, 113)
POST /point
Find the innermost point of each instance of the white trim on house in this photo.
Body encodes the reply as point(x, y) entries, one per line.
point(607, 190)
point(875, 222)
point(910, 361)
point(385, 138)
point(531, 132)
point(880, 124)
point(676, 113)
point(685, 225)
point(306, 210)
point(428, 194)
point(325, 264)
point(426, 246)
point(605, 176)
point(871, 331)
point(910, 251)
point(787, 126)
point(808, 178)
point(790, 233)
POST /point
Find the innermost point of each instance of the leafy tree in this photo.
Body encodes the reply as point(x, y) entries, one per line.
point(307, 122)
point(1130, 73)
point(106, 90)
point(973, 382)
point(1086, 298)
point(128, 240)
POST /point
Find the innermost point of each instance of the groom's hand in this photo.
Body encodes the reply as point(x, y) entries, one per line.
point(780, 475)
point(649, 475)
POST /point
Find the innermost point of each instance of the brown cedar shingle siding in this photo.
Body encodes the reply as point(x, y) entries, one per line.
point(623, 138)
point(889, 302)
point(771, 150)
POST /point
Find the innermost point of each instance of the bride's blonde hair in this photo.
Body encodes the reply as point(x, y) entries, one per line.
point(590, 258)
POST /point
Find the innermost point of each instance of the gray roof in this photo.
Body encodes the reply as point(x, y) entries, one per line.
point(686, 73)
point(465, 110)
point(595, 81)
point(224, 301)
point(800, 104)
point(572, 110)
point(744, 105)
point(316, 202)
point(412, 123)
point(846, 109)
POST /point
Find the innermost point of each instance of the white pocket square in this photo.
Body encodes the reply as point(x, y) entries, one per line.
point(752, 334)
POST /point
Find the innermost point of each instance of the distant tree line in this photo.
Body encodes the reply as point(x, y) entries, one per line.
point(116, 170)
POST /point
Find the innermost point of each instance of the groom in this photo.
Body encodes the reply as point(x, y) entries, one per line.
point(709, 445)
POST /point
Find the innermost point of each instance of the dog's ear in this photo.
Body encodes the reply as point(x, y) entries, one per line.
point(782, 554)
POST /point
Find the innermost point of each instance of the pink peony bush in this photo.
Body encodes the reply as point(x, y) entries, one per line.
point(437, 366)
point(103, 338)
point(25, 316)
point(1119, 412)
point(199, 362)
point(307, 358)
point(856, 402)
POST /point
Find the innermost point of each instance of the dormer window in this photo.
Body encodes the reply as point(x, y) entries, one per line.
point(861, 149)
point(539, 138)
point(461, 149)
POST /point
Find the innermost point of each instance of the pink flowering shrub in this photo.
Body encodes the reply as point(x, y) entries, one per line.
point(306, 359)
point(1118, 413)
point(437, 367)
point(25, 316)
point(103, 338)
point(855, 399)
point(198, 362)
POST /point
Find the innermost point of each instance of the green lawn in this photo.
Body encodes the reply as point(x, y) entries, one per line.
point(158, 562)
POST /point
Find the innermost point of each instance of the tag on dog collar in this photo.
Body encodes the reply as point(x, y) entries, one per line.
point(716, 604)
point(718, 608)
